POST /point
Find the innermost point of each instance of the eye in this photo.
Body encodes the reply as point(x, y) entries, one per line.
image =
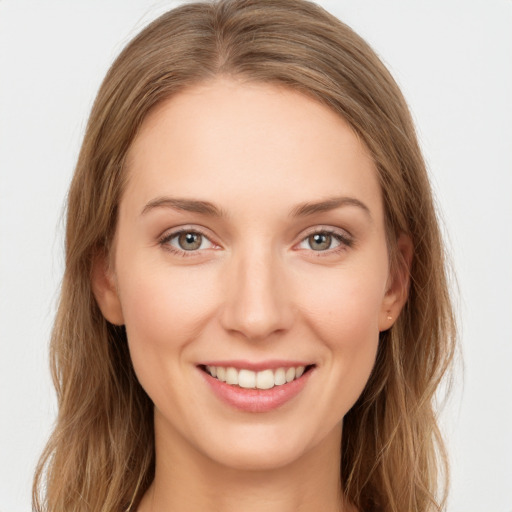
point(324, 241)
point(186, 241)
point(320, 241)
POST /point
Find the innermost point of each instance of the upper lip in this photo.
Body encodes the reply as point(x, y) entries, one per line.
point(256, 366)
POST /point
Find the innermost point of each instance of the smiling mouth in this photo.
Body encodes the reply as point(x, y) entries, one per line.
point(248, 379)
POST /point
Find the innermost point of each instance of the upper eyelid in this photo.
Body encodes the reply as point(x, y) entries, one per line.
point(171, 232)
point(325, 229)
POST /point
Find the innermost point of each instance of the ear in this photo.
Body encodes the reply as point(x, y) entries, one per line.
point(398, 284)
point(105, 290)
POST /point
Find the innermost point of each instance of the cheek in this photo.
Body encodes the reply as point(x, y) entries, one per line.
point(344, 315)
point(163, 299)
point(164, 310)
point(344, 306)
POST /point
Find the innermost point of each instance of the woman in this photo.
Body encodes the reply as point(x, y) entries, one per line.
point(254, 311)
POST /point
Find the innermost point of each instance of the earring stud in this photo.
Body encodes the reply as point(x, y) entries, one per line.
point(390, 317)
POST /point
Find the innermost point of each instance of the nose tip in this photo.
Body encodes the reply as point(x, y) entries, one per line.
point(257, 304)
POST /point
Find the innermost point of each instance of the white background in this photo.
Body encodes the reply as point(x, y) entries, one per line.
point(453, 60)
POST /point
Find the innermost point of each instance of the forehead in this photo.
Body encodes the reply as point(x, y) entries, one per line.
point(225, 139)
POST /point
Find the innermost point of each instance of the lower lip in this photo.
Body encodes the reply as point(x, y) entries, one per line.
point(256, 400)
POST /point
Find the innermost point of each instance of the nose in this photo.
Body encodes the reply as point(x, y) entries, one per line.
point(258, 303)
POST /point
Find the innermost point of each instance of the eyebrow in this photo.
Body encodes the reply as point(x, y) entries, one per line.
point(210, 209)
point(305, 209)
point(188, 205)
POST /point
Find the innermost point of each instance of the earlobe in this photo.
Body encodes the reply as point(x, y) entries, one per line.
point(398, 285)
point(105, 290)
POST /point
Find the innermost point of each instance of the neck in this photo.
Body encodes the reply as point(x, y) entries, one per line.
point(186, 480)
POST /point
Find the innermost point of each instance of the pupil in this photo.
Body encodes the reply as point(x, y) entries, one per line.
point(190, 241)
point(320, 241)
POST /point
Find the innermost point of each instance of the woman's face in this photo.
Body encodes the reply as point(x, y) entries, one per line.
point(250, 245)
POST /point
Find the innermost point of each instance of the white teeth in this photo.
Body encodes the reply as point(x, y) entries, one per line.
point(221, 373)
point(265, 379)
point(246, 379)
point(231, 376)
point(280, 377)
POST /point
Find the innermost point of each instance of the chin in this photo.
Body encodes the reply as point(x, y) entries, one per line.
point(257, 457)
point(270, 448)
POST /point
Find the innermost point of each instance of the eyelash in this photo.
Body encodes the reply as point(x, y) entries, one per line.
point(345, 241)
point(166, 238)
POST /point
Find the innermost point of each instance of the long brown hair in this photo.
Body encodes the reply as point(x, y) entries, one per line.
point(100, 456)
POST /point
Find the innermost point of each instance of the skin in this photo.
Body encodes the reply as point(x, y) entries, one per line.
point(255, 290)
